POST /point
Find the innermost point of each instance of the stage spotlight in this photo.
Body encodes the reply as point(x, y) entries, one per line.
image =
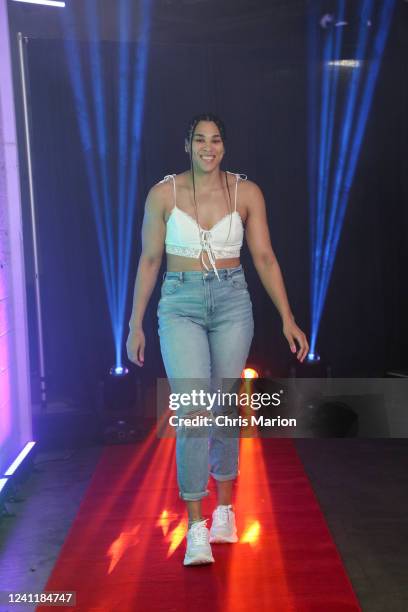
point(121, 391)
point(120, 407)
point(118, 371)
point(312, 367)
point(249, 373)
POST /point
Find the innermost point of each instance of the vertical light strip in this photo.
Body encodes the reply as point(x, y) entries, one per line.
point(19, 459)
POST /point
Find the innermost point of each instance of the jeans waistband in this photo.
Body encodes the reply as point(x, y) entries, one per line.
point(191, 275)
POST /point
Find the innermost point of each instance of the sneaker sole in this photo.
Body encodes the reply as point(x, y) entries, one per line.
point(219, 539)
point(199, 560)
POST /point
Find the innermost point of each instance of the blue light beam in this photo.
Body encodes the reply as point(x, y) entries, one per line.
point(84, 124)
point(115, 261)
point(365, 106)
point(99, 104)
point(136, 133)
point(351, 136)
point(328, 107)
point(344, 142)
point(123, 123)
point(345, 136)
point(312, 130)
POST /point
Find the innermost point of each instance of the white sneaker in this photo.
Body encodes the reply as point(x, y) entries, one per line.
point(198, 545)
point(223, 528)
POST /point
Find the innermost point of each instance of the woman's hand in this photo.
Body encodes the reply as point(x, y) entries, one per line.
point(292, 332)
point(135, 346)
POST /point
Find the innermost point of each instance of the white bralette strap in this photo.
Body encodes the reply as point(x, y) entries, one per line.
point(242, 177)
point(205, 236)
point(167, 178)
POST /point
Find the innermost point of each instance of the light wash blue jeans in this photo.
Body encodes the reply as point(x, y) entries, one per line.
point(206, 329)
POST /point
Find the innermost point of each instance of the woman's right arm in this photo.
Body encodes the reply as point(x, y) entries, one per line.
point(153, 236)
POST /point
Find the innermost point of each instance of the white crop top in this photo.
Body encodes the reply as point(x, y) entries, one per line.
point(186, 238)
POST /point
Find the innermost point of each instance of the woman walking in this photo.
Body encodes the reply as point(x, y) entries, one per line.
point(199, 218)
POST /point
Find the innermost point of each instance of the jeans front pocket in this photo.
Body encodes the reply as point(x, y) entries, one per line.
point(170, 286)
point(239, 282)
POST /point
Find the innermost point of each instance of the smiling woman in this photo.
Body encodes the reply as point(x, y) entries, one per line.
point(205, 313)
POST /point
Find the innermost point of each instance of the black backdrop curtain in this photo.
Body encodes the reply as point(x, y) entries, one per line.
point(262, 96)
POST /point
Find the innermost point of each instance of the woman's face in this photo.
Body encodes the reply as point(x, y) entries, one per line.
point(207, 146)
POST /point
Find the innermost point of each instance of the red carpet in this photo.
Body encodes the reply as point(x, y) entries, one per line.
point(125, 548)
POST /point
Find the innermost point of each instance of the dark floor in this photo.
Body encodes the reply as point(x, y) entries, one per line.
point(362, 487)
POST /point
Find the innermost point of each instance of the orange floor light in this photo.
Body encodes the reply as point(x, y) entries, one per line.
point(249, 373)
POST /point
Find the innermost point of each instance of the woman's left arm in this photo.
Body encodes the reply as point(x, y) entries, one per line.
point(267, 266)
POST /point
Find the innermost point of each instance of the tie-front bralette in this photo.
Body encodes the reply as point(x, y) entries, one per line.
point(185, 237)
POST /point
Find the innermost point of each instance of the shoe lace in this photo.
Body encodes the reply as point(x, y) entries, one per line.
point(222, 514)
point(199, 532)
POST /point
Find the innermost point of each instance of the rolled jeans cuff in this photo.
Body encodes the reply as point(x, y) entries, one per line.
point(193, 496)
point(223, 477)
